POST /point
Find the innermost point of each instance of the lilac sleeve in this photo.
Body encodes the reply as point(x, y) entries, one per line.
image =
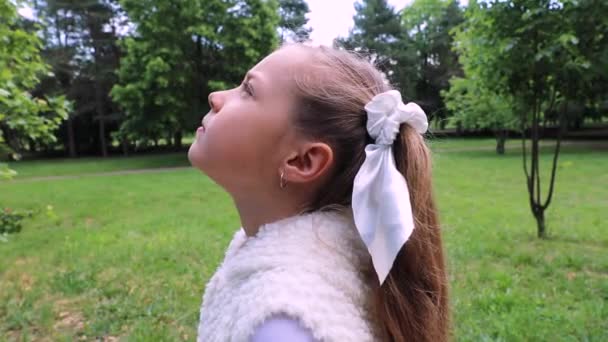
point(282, 328)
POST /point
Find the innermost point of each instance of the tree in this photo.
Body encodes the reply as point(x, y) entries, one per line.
point(378, 34)
point(24, 118)
point(81, 46)
point(479, 102)
point(585, 74)
point(179, 52)
point(105, 60)
point(155, 88)
point(476, 107)
point(428, 23)
point(532, 51)
point(293, 19)
point(413, 47)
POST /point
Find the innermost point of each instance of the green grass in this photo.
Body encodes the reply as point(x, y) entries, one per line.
point(64, 167)
point(129, 255)
point(508, 285)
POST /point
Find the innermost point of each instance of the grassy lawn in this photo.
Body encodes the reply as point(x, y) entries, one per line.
point(128, 256)
point(65, 167)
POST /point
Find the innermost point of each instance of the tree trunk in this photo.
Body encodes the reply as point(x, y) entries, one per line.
point(99, 102)
point(501, 138)
point(71, 141)
point(539, 215)
point(125, 146)
point(459, 128)
point(500, 146)
point(533, 175)
point(178, 140)
point(32, 145)
point(102, 120)
point(169, 139)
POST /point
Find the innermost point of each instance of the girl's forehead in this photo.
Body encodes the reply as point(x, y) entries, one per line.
point(282, 64)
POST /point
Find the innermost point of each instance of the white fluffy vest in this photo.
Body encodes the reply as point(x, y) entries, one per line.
point(313, 267)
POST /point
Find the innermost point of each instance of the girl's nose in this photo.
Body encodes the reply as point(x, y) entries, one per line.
point(215, 101)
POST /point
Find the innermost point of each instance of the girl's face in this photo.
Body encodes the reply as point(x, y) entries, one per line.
point(247, 133)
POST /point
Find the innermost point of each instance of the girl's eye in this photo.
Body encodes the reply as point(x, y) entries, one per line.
point(247, 88)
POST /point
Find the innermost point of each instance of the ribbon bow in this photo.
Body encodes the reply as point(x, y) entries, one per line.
point(386, 112)
point(381, 199)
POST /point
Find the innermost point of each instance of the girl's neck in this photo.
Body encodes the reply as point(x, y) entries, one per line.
point(255, 212)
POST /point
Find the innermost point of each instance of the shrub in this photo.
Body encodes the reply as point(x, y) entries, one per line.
point(11, 220)
point(6, 172)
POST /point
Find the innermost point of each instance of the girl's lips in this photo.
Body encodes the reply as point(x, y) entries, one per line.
point(205, 122)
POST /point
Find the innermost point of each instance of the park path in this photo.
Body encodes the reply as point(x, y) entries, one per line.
point(588, 144)
point(603, 145)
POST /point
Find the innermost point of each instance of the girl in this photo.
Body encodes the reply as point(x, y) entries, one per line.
point(331, 176)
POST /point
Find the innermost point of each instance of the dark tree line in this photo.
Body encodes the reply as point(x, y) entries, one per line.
point(136, 72)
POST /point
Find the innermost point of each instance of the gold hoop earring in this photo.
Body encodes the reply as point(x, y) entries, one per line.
point(282, 183)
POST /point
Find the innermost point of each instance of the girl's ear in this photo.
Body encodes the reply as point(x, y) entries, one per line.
point(309, 163)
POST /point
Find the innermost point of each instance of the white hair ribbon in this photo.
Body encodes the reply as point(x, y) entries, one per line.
point(381, 199)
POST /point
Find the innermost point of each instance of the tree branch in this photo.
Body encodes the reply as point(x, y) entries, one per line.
point(562, 125)
point(523, 149)
point(537, 150)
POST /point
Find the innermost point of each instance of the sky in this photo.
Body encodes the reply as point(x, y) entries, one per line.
point(328, 18)
point(26, 12)
point(332, 18)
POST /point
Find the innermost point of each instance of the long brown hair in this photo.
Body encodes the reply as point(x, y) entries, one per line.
point(412, 303)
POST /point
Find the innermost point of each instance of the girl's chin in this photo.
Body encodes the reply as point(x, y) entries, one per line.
point(193, 154)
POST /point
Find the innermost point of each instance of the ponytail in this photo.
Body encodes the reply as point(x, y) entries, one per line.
point(412, 303)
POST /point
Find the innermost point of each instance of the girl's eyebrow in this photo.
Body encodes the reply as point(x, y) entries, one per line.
point(251, 75)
